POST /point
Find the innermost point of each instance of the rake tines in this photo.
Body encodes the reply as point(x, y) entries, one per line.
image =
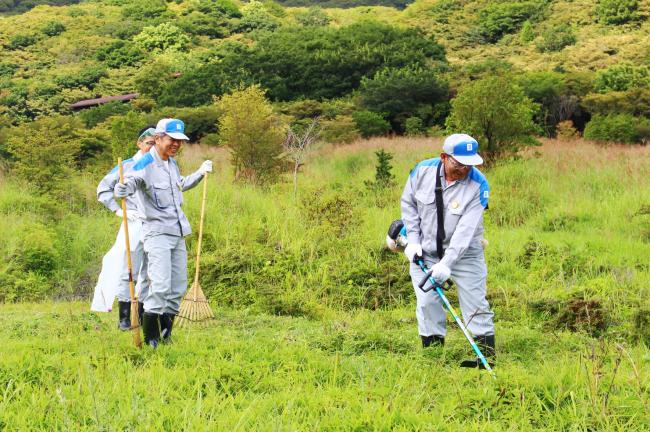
point(194, 307)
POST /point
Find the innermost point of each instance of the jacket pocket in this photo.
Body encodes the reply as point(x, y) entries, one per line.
point(162, 194)
point(427, 213)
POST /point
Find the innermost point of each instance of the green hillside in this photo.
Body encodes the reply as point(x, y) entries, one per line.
point(593, 53)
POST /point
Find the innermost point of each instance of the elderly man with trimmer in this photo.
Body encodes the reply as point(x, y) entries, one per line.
point(442, 209)
point(158, 180)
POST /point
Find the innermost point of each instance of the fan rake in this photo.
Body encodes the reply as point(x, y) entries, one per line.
point(195, 307)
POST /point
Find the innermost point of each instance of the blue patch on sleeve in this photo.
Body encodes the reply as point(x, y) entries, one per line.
point(425, 163)
point(143, 162)
point(478, 177)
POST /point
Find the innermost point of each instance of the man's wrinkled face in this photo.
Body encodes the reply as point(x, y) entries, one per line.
point(167, 146)
point(146, 143)
point(454, 169)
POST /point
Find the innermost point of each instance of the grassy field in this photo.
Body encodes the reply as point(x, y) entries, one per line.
point(315, 325)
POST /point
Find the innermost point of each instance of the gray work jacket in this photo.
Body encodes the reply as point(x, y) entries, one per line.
point(161, 193)
point(106, 186)
point(464, 203)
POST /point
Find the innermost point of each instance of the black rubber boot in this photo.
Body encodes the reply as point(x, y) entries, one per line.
point(433, 340)
point(140, 312)
point(166, 324)
point(487, 346)
point(125, 315)
point(151, 328)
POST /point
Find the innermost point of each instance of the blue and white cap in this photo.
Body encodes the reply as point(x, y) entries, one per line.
point(463, 148)
point(173, 127)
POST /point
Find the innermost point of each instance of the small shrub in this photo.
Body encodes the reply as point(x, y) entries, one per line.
point(37, 252)
point(586, 315)
point(253, 133)
point(565, 130)
point(21, 41)
point(314, 16)
point(384, 177)
point(619, 128)
point(87, 77)
point(163, 37)
point(53, 28)
point(527, 32)
point(332, 211)
point(342, 129)
point(413, 126)
point(556, 38)
point(370, 123)
point(616, 12)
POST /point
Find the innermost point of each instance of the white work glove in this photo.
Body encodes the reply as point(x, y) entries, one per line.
point(121, 191)
point(205, 167)
point(440, 272)
point(391, 244)
point(413, 250)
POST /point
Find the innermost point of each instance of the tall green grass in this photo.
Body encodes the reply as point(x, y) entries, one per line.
point(316, 327)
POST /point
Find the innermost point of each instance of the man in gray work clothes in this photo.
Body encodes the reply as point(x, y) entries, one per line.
point(454, 247)
point(157, 177)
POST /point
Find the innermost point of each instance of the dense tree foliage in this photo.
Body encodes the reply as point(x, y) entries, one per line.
point(403, 93)
point(495, 112)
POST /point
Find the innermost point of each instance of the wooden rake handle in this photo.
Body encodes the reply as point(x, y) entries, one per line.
point(135, 328)
point(198, 247)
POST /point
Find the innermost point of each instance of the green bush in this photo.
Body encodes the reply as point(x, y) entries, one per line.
point(622, 77)
point(621, 128)
point(51, 168)
point(413, 126)
point(144, 10)
point(254, 135)
point(499, 19)
point(37, 251)
point(21, 41)
point(527, 32)
point(403, 93)
point(314, 16)
point(635, 101)
point(53, 28)
point(120, 54)
point(556, 38)
point(163, 37)
point(369, 123)
point(87, 77)
point(340, 130)
point(617, 11)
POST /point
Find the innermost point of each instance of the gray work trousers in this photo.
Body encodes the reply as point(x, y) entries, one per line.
point(167, 272)
point(469, 275)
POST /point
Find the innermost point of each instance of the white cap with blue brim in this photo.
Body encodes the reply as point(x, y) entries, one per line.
point(173, 127)
point(463, 148)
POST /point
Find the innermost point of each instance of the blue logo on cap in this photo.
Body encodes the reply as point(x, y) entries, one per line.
point(175, 126)
point(466, 148)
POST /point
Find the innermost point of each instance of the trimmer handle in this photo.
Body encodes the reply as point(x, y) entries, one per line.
point(427, 278)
